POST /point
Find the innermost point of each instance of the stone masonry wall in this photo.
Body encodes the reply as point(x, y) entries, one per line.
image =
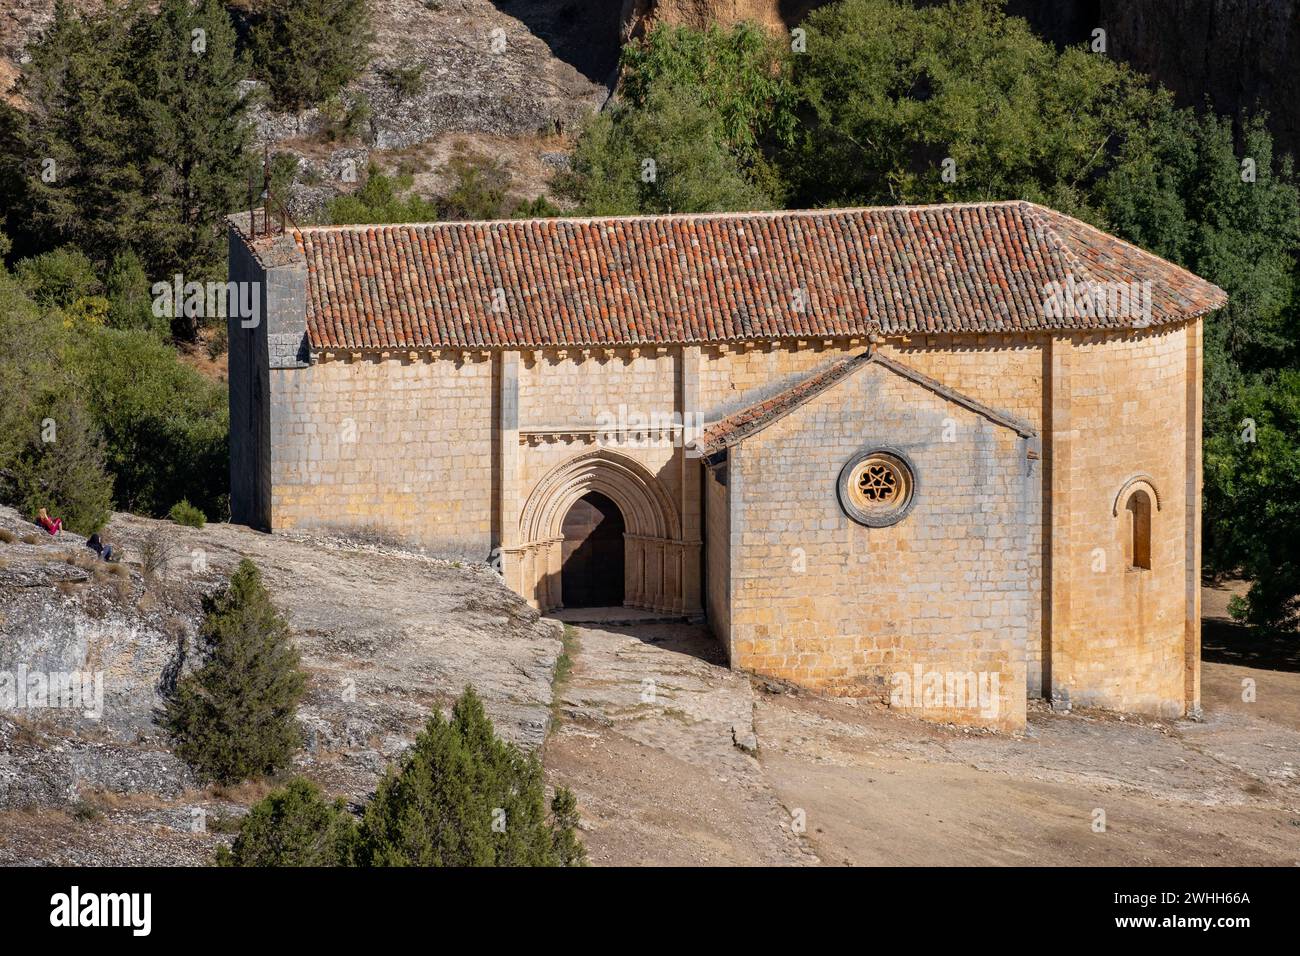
point(732, 379)
point(717, 556)
point(1120, 409)
point(1005, 373)
point(577, 390)
point(408, 447)
point(403, 447)
point(827, 603)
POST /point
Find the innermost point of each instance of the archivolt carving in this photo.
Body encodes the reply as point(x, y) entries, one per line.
point(647, 509)
point(1135, 481)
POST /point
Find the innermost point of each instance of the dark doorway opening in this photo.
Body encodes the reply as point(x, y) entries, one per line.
point(592, 571)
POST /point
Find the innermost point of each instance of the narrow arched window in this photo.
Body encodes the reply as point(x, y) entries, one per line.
point(1137, 540)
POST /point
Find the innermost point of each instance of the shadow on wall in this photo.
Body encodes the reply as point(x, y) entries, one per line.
point(583, 33)
point(587, 34)
point(1239, 56)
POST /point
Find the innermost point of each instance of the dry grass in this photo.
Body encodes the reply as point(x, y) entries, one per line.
point(157, 552)
point(246, 793)
point(110, 800)
point(31, 539)
point(7, 536)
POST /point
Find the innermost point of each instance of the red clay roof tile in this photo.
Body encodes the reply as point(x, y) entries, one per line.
point(721, 278)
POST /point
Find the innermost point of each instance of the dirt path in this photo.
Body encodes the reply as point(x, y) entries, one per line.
point(661, 782)
point(650, 735)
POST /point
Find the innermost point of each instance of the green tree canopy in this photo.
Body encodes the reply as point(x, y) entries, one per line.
point(166, 425)
point(308, 50)
point(667, 155)
point(61, 467)
point(135, 134)
point(741, 76)
point(1252, 479)
point(192, 122)
point(464, 797)
point(51, 452)
point(233, 718)
point(891, 97)
point(294, 826)
point(1187, 191)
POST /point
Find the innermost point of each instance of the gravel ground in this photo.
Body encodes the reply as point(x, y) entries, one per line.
point(664, 782)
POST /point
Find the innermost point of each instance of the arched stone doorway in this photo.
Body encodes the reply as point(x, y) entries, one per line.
point(656, 561)
point(591, 564)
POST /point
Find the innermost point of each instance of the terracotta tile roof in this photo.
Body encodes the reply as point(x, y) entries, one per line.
point(740, 425)
point(736, 427)
point(719, 278)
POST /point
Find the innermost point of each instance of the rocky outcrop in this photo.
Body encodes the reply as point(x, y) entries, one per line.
point(494, 70)
point(486, 69)
point(773, 14)
point(386, 635)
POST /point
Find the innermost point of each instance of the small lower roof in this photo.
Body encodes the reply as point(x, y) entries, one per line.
point(737, 427)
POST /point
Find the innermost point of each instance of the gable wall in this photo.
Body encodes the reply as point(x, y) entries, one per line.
point(1006, 373)
point(732, 379)
point(827, 603)
point(1001, 371)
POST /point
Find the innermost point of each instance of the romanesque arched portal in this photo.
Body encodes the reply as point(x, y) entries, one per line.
point(653, 550)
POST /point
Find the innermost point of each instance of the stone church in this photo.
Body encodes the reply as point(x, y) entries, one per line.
point(925, 454)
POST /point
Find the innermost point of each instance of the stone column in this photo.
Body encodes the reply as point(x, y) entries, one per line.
point(508, 503)
point(690, 465)
point(672, 600)
point(555, 561)
point(528, 577)
point(1192, 622)
point(633, 570)
point(1056, 505)
point(654, 574)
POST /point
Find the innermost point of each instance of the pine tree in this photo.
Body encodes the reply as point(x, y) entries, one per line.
point(308, 50)
point(78, 150)
point(62, 468)
point(234, 717)
point(135, 134)
point(294, 826)
point(193, 133)
point(464, 797)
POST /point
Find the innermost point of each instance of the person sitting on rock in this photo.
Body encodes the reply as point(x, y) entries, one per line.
point(105, 551)
point(52, 525)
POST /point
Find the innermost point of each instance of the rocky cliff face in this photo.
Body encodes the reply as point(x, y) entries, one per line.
point(1237, 54)
point(386, 635)
point(501, 77)
point(774, 14)
point(513, 79)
